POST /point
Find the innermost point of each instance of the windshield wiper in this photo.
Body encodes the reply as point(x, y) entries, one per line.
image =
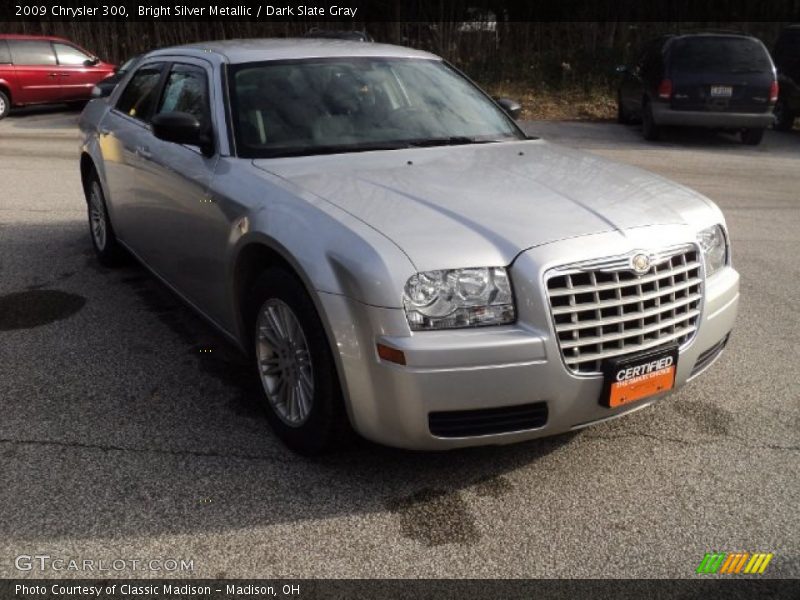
point(455, 140)
point(329, 149)
point(293, 151)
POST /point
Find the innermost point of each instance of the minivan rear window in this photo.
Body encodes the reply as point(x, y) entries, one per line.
point(5, 54)
point(719, 55)
point(32, 52)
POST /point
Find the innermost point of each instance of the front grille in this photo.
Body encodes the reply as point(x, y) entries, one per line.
point(709, 356)
point(487, 421)
point(602, 309)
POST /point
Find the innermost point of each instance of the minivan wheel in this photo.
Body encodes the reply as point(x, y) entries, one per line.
point(650, 130)
point(784, 117)
point(5, 105)
point(106, 247)
point(752, 137)
point(295, 365)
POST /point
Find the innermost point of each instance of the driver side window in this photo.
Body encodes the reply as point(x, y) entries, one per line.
point(186, 91)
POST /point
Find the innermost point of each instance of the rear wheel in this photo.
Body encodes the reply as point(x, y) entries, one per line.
point(106, 248)
point(5, 105)
point(650, 130)
point(294, 362)
point(752, 137)
point(784, 117)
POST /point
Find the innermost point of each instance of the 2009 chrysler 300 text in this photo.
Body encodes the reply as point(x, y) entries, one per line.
point(391, 249)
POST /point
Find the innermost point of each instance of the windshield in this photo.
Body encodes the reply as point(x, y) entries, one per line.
point(720, 55)
point(323, 106)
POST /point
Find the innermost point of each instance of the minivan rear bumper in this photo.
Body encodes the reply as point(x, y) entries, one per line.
point(664, 115)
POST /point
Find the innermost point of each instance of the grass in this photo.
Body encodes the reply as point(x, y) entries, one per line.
point(570, 104)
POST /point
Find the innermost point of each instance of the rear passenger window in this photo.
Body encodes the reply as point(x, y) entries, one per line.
point(138, 100)
point(32, 52)
point(5, 54)
point(186, 91)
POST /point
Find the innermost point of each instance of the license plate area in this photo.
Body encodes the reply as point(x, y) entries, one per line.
point(721, 91)
point(637, 377)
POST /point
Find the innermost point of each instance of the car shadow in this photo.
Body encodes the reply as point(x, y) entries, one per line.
point(148, 421)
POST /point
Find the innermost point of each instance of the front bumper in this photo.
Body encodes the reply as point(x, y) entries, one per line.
point(472, 369)
point(664, 115)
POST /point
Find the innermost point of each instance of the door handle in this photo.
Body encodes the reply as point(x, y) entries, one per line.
point(144, 152)
point(52, 74)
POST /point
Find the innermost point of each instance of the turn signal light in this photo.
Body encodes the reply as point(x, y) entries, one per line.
point(391, 354)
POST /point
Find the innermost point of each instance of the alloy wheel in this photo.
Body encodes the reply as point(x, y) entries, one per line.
point(97, 217)
point(284, 362)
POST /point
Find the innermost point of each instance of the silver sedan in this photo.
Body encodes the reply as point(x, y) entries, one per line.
point(394, 253)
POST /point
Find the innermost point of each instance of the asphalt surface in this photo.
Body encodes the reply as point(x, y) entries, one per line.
point(121, 439)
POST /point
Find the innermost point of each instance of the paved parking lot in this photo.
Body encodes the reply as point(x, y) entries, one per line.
point(119, 439)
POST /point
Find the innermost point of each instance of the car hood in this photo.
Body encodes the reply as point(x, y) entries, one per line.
point(481, 205)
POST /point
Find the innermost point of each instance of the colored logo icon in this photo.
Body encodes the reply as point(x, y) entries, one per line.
point(734, 563)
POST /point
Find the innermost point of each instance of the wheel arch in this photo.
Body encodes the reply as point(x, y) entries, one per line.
point(87, 168)
point(253, 258)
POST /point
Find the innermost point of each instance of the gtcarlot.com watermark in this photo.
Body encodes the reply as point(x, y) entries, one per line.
point(45, 562)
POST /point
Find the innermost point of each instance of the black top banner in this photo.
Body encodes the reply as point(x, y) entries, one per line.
point(361, 11)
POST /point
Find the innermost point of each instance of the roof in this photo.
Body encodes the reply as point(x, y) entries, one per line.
point(254, 50)
point(20, 36)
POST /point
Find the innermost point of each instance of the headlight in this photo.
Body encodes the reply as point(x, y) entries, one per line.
point(715, 248)
point(459, 298)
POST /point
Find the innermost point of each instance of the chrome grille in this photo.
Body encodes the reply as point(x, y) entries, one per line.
point(602, 309)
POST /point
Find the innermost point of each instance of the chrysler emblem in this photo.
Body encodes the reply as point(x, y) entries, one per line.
point(640, 264)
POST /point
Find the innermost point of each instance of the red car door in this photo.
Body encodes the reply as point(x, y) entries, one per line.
point(36, 71)
point(78, 71)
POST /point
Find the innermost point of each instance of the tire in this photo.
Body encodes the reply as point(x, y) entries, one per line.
point(752, 137)
point(310, 417)
point(5, 105)
point(104, 241)
point(650, 130)
point(784, 117)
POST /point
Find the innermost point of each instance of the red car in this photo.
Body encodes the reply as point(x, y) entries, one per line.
point(46, 70)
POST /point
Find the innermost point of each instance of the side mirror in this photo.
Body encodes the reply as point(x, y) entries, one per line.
point(621, 69)
point(91, 62)
point(512, 108)
point(182, 128)
point(102, 91)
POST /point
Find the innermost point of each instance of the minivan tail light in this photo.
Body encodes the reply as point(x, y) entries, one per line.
point(665, 89)
point(773, 92)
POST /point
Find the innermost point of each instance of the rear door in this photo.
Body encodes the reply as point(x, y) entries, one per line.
point(720, 74)
point(36, 70)
point(123, 136)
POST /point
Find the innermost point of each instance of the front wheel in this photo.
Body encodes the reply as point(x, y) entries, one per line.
point(294, 362)
point(5, 105)
point(752, 137)
point(784, 117)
